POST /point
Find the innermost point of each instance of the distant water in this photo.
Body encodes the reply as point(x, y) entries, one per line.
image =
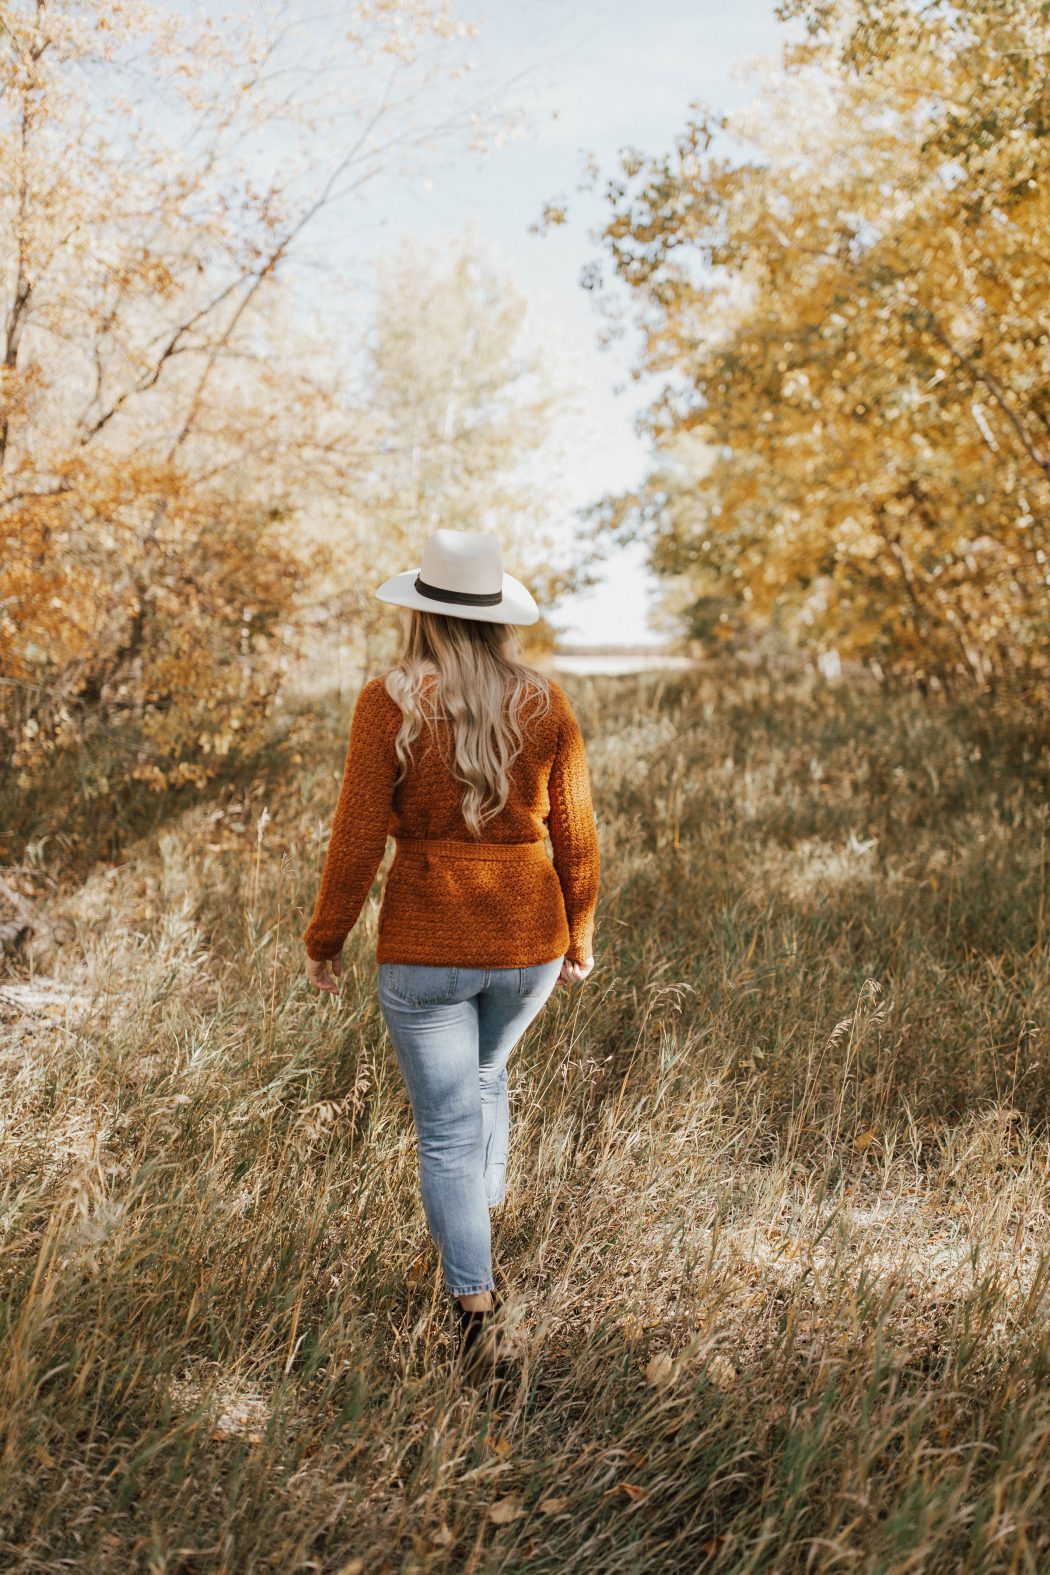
point(615, 664)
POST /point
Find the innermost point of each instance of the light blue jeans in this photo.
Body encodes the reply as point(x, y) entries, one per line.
point(452, 1030)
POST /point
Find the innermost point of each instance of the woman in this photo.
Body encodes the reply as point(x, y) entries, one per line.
point(468, 758)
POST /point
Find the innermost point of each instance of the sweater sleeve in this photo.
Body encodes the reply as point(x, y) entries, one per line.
point(573, 829)
point(359, 827)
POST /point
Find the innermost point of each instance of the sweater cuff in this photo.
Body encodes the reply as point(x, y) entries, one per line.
point(581, 945)
point(318, 953)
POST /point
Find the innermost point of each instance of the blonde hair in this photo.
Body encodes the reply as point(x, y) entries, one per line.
point(481, 688)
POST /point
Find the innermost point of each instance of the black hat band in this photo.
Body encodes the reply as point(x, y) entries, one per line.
point(465, 598)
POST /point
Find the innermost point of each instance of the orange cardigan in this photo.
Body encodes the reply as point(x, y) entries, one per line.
point(497, 902)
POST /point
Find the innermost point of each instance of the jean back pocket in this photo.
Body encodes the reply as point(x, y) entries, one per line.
point(418, 984)
point(539, 978)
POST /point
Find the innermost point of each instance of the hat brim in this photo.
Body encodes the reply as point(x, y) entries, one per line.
point(516, 606)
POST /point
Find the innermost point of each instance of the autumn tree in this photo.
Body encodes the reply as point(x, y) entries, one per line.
point(843, 294)
point(161, 407)
point(460, 412)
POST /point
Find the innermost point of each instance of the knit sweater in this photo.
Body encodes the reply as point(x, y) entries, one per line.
point(499, 901)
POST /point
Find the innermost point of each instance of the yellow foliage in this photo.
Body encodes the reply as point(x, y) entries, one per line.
point(855, 320)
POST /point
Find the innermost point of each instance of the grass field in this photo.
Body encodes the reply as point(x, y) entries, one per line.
point(777, 1206)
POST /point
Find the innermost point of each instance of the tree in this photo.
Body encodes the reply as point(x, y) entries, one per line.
point(460, 415)
point(162, 415)
point(847, 305)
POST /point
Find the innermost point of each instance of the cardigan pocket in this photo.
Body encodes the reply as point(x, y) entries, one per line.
point(419, 984)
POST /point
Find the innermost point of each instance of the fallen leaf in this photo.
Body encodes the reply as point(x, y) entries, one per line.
point(443, 1537)
point(660, 1369)
point(864, 1140)
point(552, 1506)
point(721, 1371)
point(504, 1510)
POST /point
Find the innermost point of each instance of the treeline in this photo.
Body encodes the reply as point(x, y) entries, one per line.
point(845, 296)
point(211, 437)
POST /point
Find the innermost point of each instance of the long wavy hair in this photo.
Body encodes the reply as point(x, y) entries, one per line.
point(472, 675)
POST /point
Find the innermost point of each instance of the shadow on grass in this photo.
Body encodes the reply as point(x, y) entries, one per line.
point(88, 810)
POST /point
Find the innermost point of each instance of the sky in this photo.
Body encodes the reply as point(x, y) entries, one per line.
point(594, 76)
point(597, 76)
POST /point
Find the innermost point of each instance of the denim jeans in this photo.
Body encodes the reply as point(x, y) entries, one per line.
point(453, 1029)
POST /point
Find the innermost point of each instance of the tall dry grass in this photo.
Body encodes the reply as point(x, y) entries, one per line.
point(777, 1204)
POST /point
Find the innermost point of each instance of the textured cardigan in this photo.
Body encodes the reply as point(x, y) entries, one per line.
point(498, 902)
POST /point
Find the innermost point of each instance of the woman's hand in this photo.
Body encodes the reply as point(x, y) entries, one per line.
point(318, 974)
point(574, 972)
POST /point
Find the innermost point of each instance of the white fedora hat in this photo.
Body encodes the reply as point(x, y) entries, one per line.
point(462, 575)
